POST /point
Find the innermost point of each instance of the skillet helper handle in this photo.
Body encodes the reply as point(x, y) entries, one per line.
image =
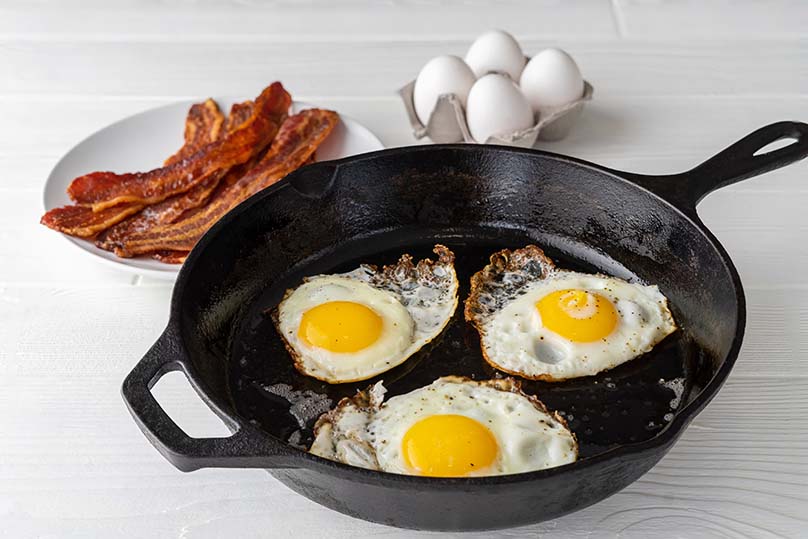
point(733, 164)
point(246, 448)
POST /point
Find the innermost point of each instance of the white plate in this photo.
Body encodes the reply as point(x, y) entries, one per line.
point(143, 141)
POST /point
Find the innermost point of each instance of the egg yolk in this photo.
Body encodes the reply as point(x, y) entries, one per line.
point(578, 315)
point(340, 326)
point(448, 446)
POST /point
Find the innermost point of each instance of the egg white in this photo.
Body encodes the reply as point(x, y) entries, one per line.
point(528, 437)
point(363, 432)
point(396, 335)
point(415, 302)
point(514, 340)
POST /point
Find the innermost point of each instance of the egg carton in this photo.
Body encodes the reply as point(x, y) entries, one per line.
point(447, 123)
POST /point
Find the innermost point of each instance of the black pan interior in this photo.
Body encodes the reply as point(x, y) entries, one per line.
point(375, 210)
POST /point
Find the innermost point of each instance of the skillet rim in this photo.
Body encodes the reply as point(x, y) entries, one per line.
point(665, 437)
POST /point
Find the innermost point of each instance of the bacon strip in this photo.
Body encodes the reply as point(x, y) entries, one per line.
point(173, 207)
point(239, 113)
point(144, 217)
point(178, 257)
point(105, 189)
point(298, 138)
point(83, 222)
point(203, 125)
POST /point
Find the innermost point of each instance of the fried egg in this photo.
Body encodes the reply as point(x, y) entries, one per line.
point(353, 326)
point(454, 427)
point(544, 323)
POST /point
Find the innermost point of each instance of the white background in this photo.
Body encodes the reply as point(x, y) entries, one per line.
point(675, 81)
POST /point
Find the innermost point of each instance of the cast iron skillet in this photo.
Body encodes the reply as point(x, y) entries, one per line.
point(331, 216)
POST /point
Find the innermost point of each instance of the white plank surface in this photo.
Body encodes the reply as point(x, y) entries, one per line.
point(360, 68)
point(722, 19)
point(310, 20)
point(676, 81)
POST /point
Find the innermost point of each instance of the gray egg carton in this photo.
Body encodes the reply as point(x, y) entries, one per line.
point(447, 123)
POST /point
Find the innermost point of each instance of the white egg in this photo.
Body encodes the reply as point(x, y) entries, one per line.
point(496, 51)
point(496, 107)
point(454, 427)
point(441, 75)
point(551, 79)
point(353, 326)
point(541, 322)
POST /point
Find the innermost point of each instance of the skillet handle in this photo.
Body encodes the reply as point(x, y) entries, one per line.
point(735, 163)
point(248, 447)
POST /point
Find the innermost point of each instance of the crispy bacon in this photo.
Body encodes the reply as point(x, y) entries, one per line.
point(106, 189)
point(173, 207)
point(83, 222)
point(239, 113)
point(108, 241)
point(203, 125)
point(298, 138)
point(145, 217)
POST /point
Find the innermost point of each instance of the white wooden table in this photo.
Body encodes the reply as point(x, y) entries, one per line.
point(675, 82)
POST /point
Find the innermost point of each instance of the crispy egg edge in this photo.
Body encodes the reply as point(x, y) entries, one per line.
point(516, 260)
point(423, 269)
point(372, 398)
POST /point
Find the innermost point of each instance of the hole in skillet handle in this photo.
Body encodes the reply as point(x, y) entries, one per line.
point(742, 160)
point(315, 180)
point(176, 397)
point(247, 447)
point(776, 145)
